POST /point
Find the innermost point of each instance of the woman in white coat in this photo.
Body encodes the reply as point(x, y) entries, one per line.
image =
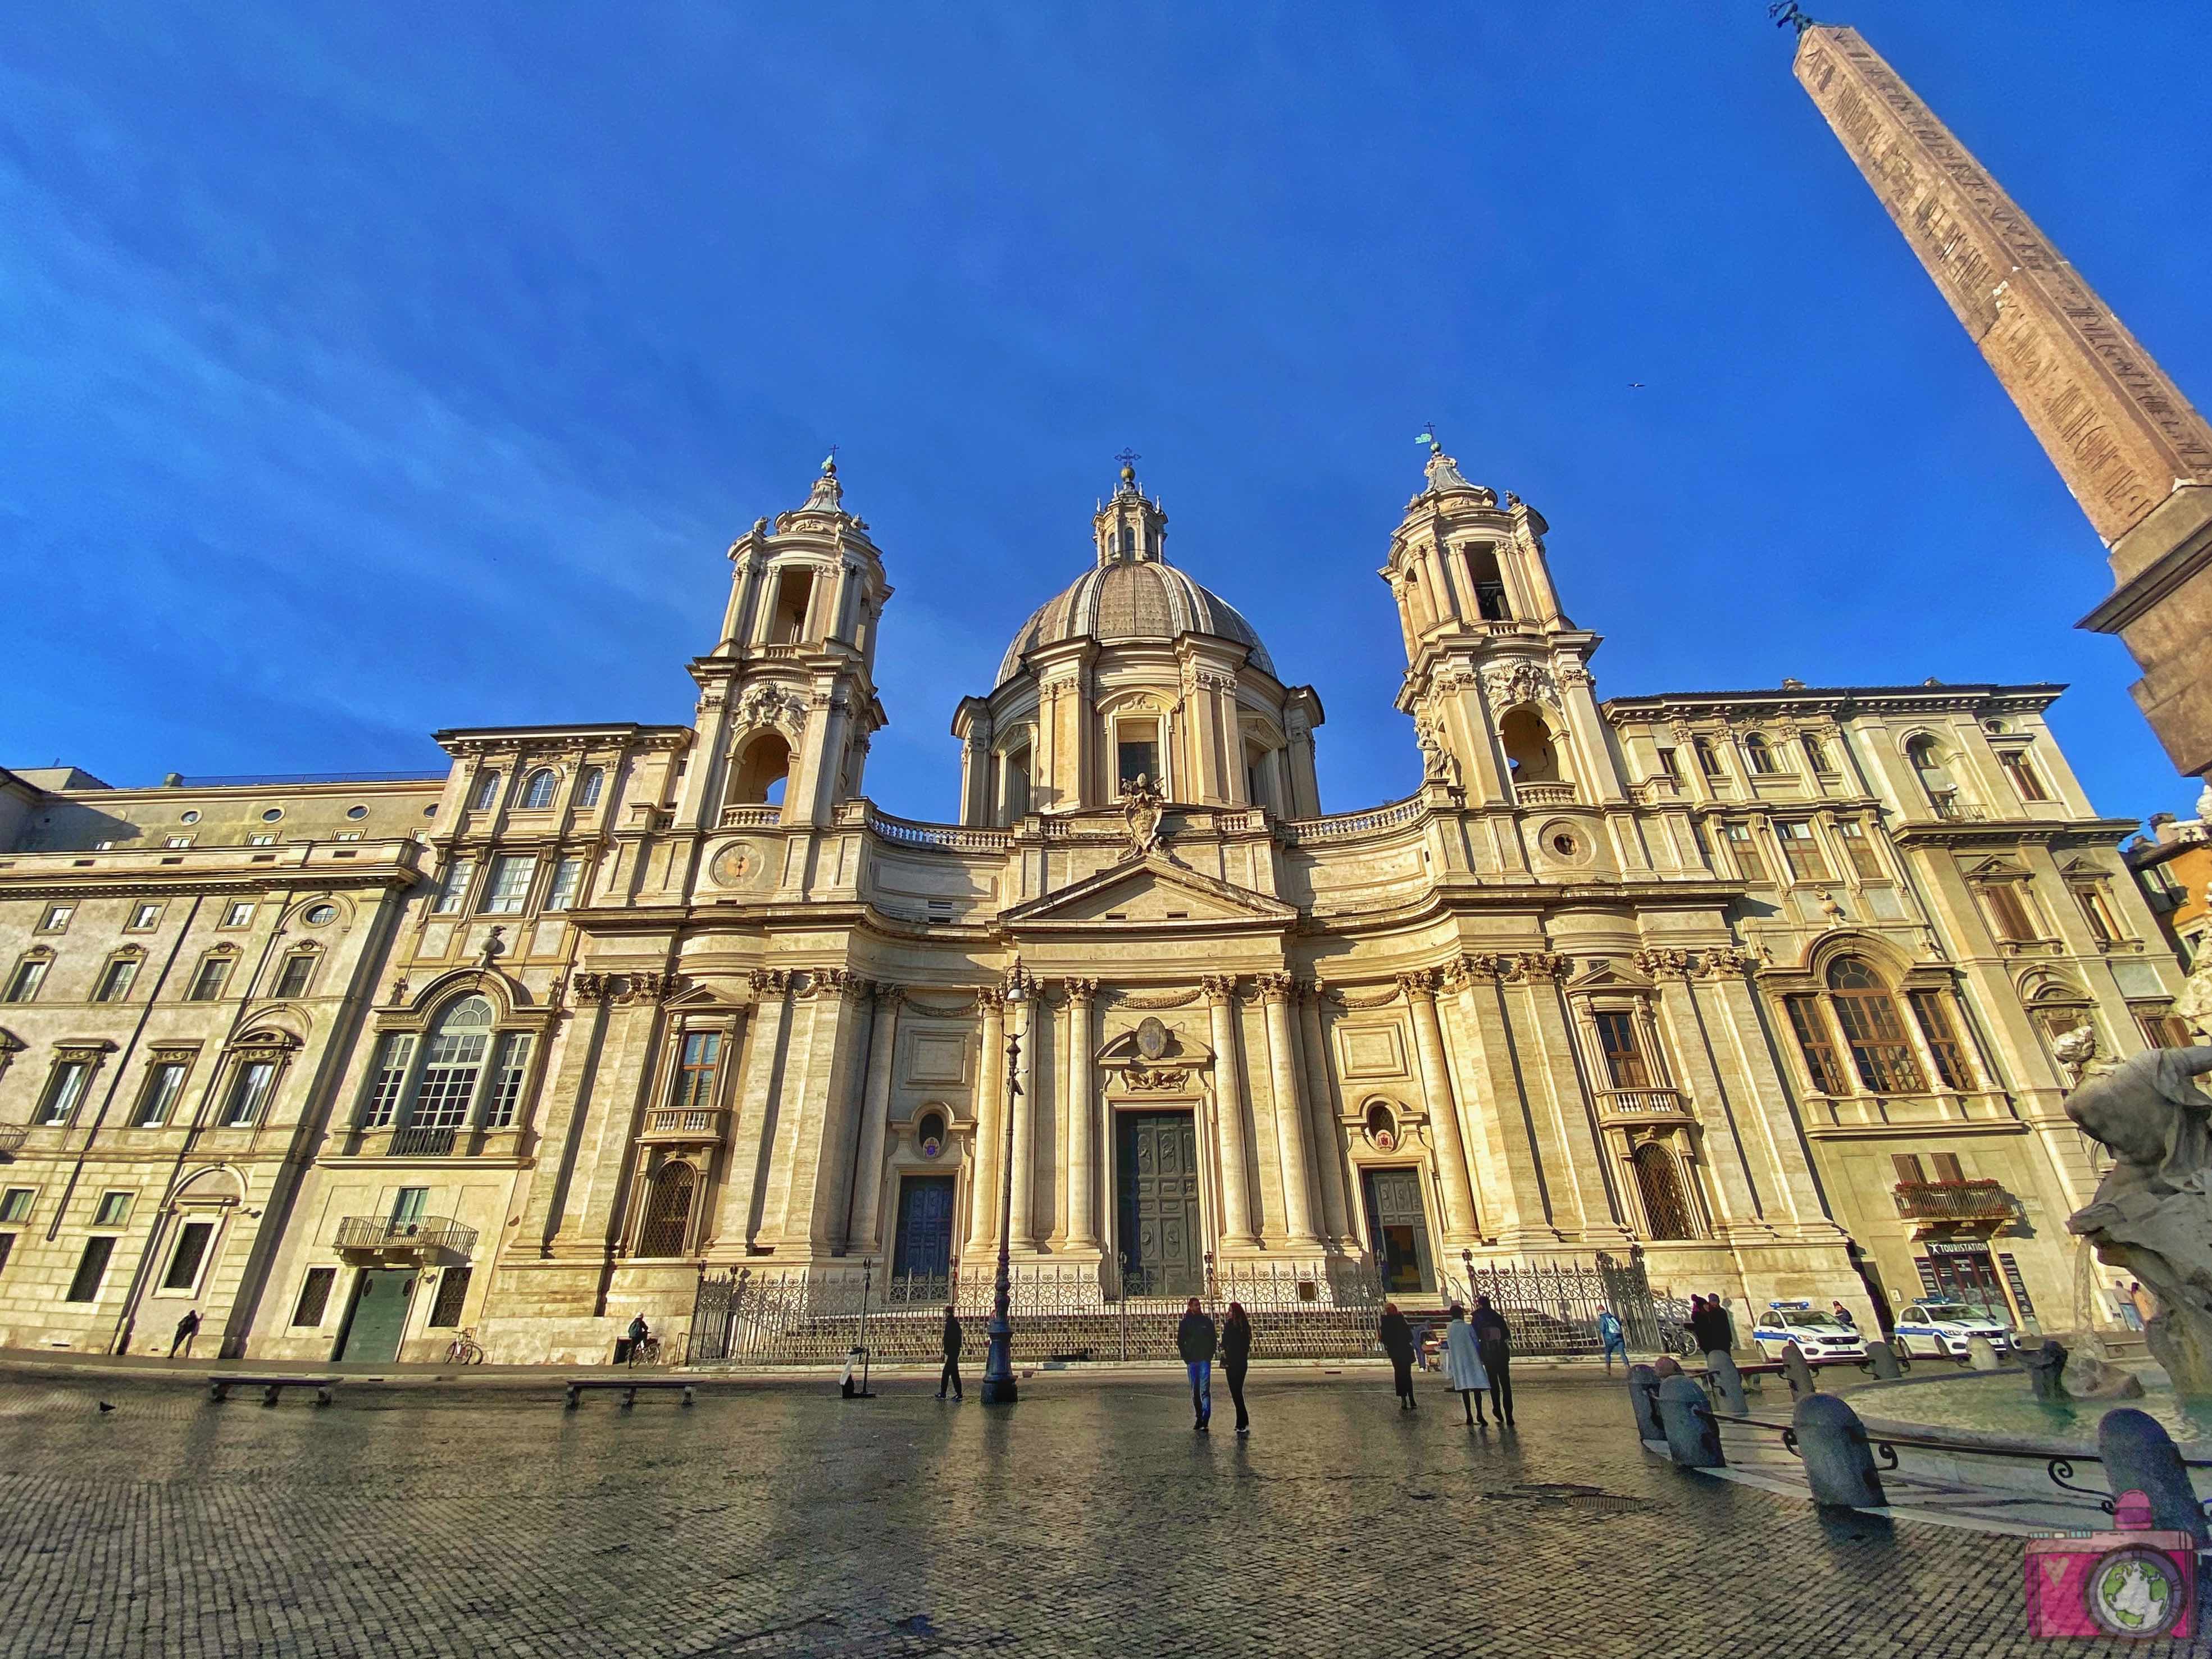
point(1463, 1366)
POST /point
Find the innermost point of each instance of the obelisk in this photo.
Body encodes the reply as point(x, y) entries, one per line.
point(2136, 456)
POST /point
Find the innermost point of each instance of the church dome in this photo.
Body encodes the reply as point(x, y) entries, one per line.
point(1131, 599)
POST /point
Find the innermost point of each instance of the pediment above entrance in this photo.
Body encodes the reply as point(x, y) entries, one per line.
point(1151, 889)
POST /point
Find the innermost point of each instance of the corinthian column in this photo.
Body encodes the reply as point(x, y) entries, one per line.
point(1320, 1108)
point(1420, 989)
point(1078, 1120)
point(1230, 1106)
point(868, 1170)
point(990, 1101)
point(1275, 990)
point(1021, 1227)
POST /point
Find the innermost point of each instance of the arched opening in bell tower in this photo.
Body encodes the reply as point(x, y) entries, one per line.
point(757, 774)
point(1531, 756)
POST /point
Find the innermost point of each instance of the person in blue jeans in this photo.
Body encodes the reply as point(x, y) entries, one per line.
point(1196, 1341)
point(1613, 1338)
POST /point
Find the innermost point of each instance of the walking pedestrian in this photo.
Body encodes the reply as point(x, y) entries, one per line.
point(1463, 1370)
point(1612, 1338)
point(1493, 1343)
point(1723, 1322)
point(1236, 1356)
point(951, 1340)
point(639, 1334)
point(188, 1328)
point(1397, 1339)
point(1704, 1329)
point(1196, 1341)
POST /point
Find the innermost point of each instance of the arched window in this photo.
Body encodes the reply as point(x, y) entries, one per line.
point(1659, 1183)
point(1935, 780)
point(1761, 757)
point(929, 1133)
point(538, 790)
point(1381, 1127)
point(1530, 751)
point(1489, 586)
point(1816, 752)
point(1880, 1051)
point(666, 1228)
point(487, 794)
point(757, 774)
point(587, 792)
point(452, 1065)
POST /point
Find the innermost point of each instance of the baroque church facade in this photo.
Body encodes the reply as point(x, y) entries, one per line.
point(1761, 985)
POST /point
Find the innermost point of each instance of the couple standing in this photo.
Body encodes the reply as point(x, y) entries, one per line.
point(1197, 1341)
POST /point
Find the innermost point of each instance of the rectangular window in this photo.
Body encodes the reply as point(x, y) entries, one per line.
point(1709, 760)
point(57, 918)
point(185, 1261)
point(1744, 845)
point(1907, 1165)
point(408, 1207)
point(452, 1295)
point(1802, 852)
point(237, 914)
point(347, 834)
point(1668, 769)
point(178, 840)
point(298, 970)
point(455, 886)
point(63, 1090)
point(261, 841)
point(499, 1107)
point(2103, 926)
point(2019, 1285)
point(2007, 904)
point(91, 1269)
point(114, 1209)
point(1137, 757)
point(23, 984)
point(1812, 1029)
point(1876, 1038)
point(6, 1246)
point(508, 889)
point(1947, 1168)
point(143, 917)
point(695, 1074)
point(249, 1093)
point(567, 877)
point(315, 1296)
point(450, 1072)
point(163, 1084)
point(1865, 864)
point(1816, 755)
point(2022, 771)
point(1935, 1022)
point(15, 1203)
point(1624, 1055)
point(115, 982)
point(207, 983)
point(383, 1102)
point(2165, 1031)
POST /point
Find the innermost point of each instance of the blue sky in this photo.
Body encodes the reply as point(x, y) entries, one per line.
point(365, 371)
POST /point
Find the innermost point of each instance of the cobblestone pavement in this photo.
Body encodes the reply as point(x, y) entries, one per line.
point(1089, 1519)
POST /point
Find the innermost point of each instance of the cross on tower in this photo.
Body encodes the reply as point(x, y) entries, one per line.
point(1128, 458)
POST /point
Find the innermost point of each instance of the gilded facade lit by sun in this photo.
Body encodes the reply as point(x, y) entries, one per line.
point(1762, 983)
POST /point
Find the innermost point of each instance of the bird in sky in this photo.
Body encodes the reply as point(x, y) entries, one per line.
point(1636, 385)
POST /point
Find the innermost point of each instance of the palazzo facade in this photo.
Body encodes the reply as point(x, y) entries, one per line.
point(1762, 983)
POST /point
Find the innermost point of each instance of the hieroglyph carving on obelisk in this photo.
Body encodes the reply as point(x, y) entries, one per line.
point(2119, 431)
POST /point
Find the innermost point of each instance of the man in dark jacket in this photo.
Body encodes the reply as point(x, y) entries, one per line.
point(1702, 1331)
point(1196, 1341)
point(953, 1341)
point(1396, 1337)
point(1494, 1345)
point(1723, 1325)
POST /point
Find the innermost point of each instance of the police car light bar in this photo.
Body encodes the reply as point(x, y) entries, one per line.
point(1779, 1306)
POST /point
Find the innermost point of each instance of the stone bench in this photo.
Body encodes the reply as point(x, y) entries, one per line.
point(576, 1385)
point(219, 1388)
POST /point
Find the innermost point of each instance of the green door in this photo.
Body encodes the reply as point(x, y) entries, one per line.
point(378, 1318)
point(1156, 1165)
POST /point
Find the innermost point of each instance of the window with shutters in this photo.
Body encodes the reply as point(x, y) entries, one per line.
point(696, 1071)
point(1948, 1167)
point(1811, 1025)
point(382, 1103)
point(1880, 1052)
point(1619, 1040)
point(1802, 851)
point(2097, 911)
point(1743, 842)
point(2022, 771)
point(1930, 1010)
point(2010, 914)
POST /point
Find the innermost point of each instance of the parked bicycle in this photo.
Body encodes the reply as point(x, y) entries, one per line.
point(647, 1352)
point(464, 1349)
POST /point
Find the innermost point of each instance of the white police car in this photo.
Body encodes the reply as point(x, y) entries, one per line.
point(1819, 1336)
point(1942, 1329)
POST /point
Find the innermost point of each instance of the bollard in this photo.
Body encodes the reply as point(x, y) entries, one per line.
point(1799, 1373)
point(1981, 1354)
point(1838, 1459)
point(2140, 1455)
point(1644, 1400)
point(1693, 1439)
point(2046, 1370)
point(1727, 1382)
point(1883, 1358)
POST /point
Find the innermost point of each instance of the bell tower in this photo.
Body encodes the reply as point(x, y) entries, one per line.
point(787, 698)
point(1498, 679)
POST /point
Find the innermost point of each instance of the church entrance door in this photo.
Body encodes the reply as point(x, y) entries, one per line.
point(921, 1259)
point(1400, 1227)
point(1156, 1175)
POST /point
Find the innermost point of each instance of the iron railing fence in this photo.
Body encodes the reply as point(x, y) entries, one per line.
point(1322, 1310)
point(370, 1232)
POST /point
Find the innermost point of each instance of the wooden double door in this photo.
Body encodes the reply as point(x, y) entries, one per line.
point(1161, 1234)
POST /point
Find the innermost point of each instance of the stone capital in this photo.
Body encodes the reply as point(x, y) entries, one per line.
point(1275, 987)
point(1219, 987)
point(1420, 985)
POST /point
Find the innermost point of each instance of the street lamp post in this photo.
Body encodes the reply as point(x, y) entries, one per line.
point(998, 1387)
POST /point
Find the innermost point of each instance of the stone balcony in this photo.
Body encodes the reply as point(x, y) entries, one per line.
point(423, 1143)
point(1641, 1105)
point(699, 1126)
point(11, 1138)
point(752, 818)
point(1544, 794)
point(1953, 1200)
